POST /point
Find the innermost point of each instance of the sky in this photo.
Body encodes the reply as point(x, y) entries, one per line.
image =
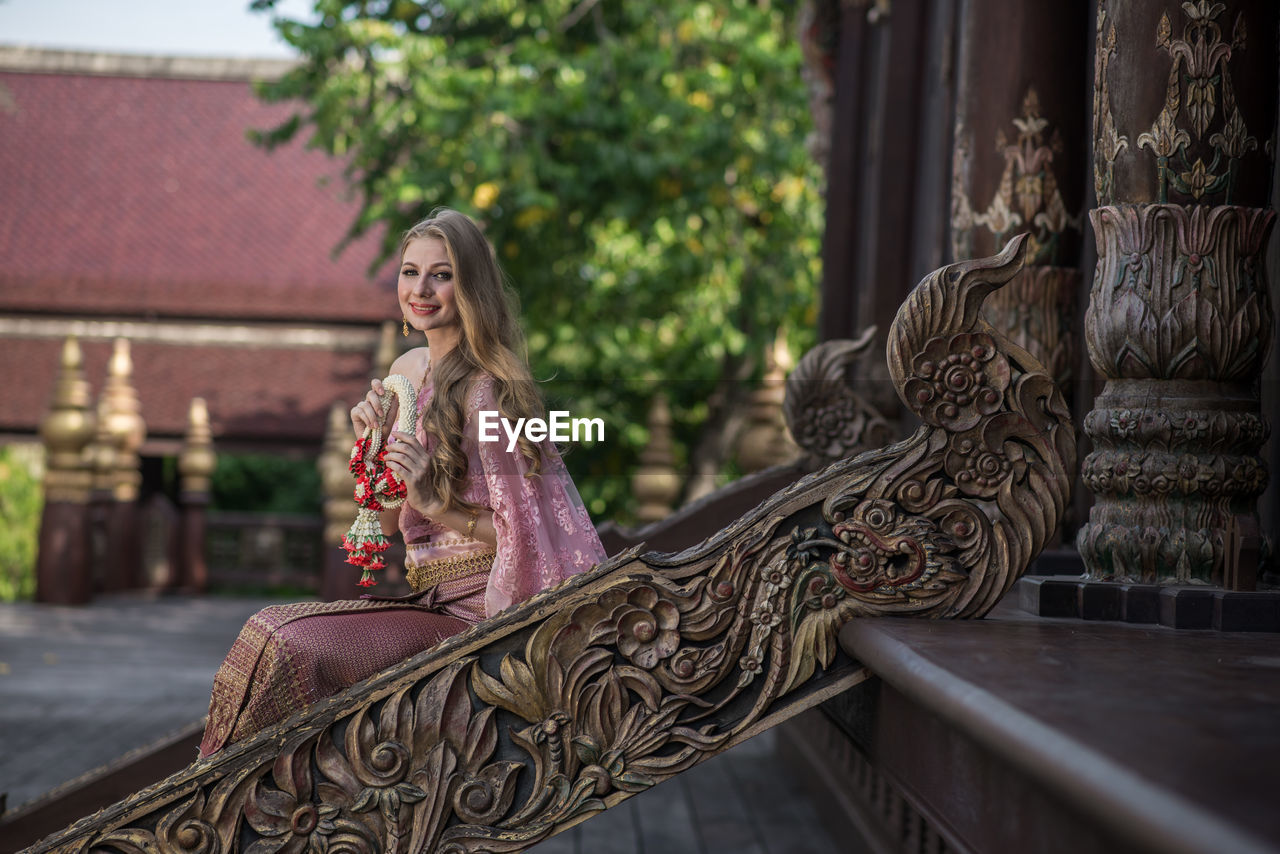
point(165, 27)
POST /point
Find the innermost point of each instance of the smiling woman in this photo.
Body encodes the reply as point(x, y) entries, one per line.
point(486, 524)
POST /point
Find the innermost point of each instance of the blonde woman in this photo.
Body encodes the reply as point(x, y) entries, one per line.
point(484, 527)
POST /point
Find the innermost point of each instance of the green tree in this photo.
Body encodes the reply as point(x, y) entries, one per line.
point(639, 166)
point(21, 502)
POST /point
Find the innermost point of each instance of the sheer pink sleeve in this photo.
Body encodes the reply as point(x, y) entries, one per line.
point(544, 531)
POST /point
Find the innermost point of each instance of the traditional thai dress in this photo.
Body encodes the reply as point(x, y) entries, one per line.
point(289, 656)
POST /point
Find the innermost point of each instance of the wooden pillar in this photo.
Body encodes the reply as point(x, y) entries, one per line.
point(655, 483)
point(127, 431)
point(62, 564)
point(196, 465)
point(1019, 164)
point(1179, 316)
point(338, 578)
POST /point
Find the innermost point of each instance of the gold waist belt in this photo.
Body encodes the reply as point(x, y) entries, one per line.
point(432, 572)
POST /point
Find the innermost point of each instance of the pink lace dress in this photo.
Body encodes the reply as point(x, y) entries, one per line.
point(544, 531)
point(289, 656)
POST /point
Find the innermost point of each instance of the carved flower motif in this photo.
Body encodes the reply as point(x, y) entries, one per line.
point(1122, 474)
point(285, 816)
point(1197, 179)
point(956, 382)
point(766, 619)
point(1234, 140)
point(1164, 139)
point(976, 469)
point(1123, 423)
point(1189, 474)
point(645, 625)
point(1193, 427)
point(1249, 475)
point(1099, 478)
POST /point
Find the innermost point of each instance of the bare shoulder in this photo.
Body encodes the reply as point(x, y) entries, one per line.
point(413, 365)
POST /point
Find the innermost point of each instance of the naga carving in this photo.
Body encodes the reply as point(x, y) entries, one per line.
point(645, 666)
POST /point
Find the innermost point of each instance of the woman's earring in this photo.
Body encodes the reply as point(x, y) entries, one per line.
point(404, 328)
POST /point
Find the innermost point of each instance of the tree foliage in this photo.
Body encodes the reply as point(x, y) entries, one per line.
point(21, 503)
point(640, 167)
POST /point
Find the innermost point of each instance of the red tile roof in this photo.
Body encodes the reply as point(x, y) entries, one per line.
point(142, 196)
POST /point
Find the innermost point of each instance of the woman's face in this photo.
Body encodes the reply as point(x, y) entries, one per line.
point(425, 287)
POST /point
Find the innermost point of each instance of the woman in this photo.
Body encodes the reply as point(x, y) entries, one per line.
point(484, 527)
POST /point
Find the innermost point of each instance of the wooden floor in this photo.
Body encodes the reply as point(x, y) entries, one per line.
point(80, 687)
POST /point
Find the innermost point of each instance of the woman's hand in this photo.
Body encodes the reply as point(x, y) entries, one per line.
point(409, 461)
point(368, 412)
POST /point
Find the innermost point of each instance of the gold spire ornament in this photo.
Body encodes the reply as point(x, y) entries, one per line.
point(123, 414)
point(197, 460)
point(67, 429)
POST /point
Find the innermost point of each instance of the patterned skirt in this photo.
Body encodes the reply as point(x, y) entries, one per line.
point(289, 656)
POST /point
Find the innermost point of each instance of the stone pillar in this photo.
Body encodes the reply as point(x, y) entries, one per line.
point(1179, 317)
point(656, 484)
point(127, 430)
point(338, 579)
point(63, 572)
point(196, 465)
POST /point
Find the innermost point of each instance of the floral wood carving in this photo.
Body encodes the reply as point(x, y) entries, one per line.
point(1179, 321)
point(634, 672)
point(1107, 143)
point(1199, 73)
point(1192, 85)
point(826, 416)
point(1027, 196)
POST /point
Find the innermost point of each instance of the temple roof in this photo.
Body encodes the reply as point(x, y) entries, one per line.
point(130, 187)
point(135, 206)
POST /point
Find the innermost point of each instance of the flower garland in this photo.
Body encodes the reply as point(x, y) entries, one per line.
point(377, 488)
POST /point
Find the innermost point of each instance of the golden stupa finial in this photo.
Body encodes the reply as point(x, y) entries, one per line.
point(124, 421)
point(764, 441)
point(656, 483)
point(197, 460)
point(68, 428)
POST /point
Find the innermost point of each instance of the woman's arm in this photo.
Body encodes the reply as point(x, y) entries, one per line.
point(458, 520)
point(409, 460)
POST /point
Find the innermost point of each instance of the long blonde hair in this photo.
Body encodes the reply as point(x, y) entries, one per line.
point(491, 342)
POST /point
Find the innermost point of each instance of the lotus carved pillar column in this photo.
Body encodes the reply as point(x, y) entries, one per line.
point(1179, 318)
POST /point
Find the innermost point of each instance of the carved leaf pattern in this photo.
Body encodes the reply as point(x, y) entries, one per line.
point(1180, 290)
point(636, 671)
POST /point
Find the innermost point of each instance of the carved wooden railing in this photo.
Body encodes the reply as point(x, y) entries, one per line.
point(627, 675)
